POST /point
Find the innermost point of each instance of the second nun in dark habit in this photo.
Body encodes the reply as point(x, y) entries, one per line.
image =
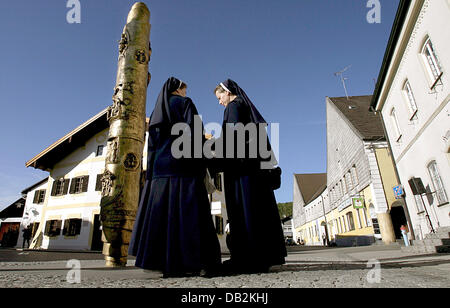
point(174, 232)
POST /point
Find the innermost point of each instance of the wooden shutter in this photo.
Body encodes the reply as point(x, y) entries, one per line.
point(77, 226)
point(66, 186)
point(47, 227)
point(98, 184)
point(66, 226)
point(218, 181)
point(85, 183)
point(36, 196)
point(53, 193)
point(58, 227)
point(41, 195)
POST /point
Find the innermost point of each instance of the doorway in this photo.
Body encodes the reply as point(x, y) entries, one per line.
point(326, 240)
point(398, 218)
point(97, 243)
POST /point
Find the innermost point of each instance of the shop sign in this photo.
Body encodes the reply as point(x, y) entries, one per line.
point(358, 202)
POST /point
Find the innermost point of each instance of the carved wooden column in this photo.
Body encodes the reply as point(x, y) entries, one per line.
point(120, 182)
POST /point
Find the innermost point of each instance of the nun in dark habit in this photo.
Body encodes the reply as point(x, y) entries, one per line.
point(174, 231)
point(257, 240)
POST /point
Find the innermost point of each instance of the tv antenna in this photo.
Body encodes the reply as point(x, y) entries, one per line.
point(343, 79)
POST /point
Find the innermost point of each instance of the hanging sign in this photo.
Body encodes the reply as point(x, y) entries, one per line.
point(398, 192)
point(358, 203)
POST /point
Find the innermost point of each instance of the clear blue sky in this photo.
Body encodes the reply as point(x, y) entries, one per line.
point(55, 75)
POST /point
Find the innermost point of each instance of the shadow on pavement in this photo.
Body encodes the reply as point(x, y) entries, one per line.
point(353, 265)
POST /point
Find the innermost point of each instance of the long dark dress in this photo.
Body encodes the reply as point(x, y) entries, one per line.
point(174, 231)
point(257, 240)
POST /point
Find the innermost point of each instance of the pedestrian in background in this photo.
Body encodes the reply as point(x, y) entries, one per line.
point(26, 236)
point(228, 235)
point(404, 230)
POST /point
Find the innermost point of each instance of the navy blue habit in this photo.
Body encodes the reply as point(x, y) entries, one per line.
point(257, 240)
point(174, 231)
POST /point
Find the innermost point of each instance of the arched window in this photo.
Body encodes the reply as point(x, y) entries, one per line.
point(395, 124)
point(351, 222)
point(348, 180)
point(409, 95)
point(438, 185)
point(431, 60)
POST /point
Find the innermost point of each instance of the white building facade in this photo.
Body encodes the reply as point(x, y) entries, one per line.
point(65, 208)
point(34, 201)
point(353, 135)
point(69, 215)
point(412, 95)
point(314, 230)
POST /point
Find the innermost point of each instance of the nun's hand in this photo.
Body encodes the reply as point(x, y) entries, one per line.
point(208, 136)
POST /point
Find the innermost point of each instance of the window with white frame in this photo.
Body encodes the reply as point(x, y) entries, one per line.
point(436, 179)
point(409, 95)
point(395, 124)
point(343, 226)
point(350, 221)
point(72, 227)
point(39, 196)
point(431, 60)
point(79, 184)
point(344, 185)
point(99, 150)
point(53, 228)
point(60, 187)
point(349, 180)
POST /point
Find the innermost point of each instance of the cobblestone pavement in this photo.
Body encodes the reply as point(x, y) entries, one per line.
point(366, 267)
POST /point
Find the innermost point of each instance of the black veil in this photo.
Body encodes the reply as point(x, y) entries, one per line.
point(161, 113)
point(234, 88)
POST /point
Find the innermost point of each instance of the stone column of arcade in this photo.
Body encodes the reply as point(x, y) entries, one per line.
point(120, 182)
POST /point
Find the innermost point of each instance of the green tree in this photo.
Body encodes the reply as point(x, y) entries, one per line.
point(285, 209)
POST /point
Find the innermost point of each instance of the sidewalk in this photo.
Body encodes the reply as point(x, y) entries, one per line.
point(305, 267)
point(296, 256)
